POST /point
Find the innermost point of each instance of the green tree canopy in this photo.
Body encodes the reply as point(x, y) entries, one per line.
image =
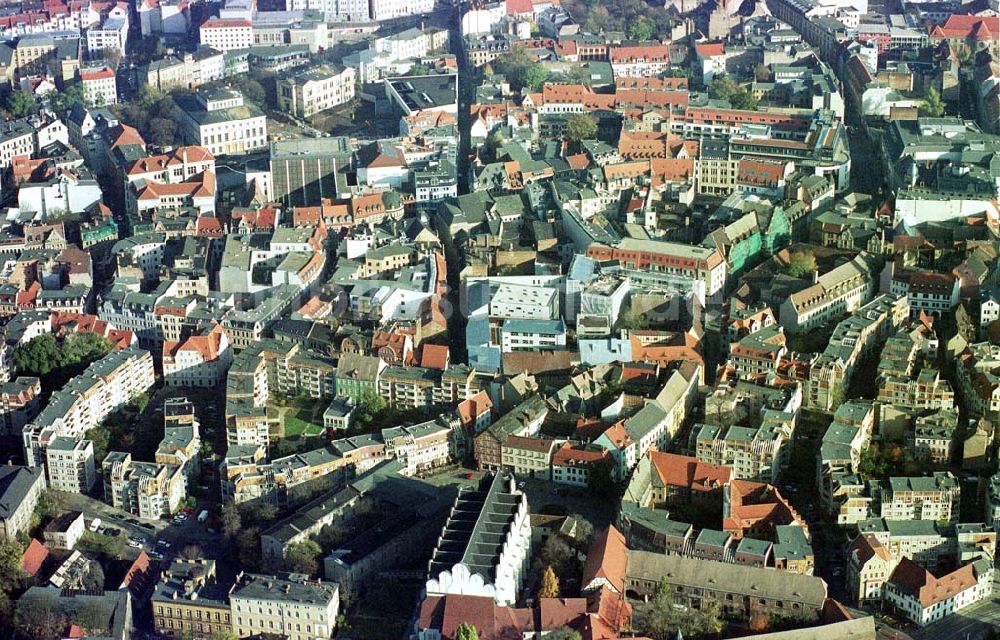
point(932, 106)
point(661, 618)
point(641, 29)
point(303, 557)
point(801, 263)
point(723, 87)
point(580, 126)
point(20, 103)
point(466, 631)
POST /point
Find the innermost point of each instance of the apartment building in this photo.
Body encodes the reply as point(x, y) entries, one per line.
point(20, 488)
point(188, 602)
point(978, 376)
point(641, 61)
point(99, 86)
point(840, 290)
point(317, 89)
point(146, 489)
point(226, 34)
point(17, 138)
point(925, 390)
point(925, 598)
point(223, 122)
point(831, 371)
point(422, 447)
point(741, 591)
point(70, 465)
point(465, 558)
point(199, 361)
point(702, 265)
point(110, 34)
point(934, 498)
point(528, 457)
point(757, 454)
point(86, 400)
point(296, 608)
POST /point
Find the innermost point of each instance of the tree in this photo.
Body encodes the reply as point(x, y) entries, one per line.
point(724, 88)
point(466, 631)
point(63, 101)
point(252, 90)
point(302, 557)
point(114, 57)
point(10, 565)
point(40, 621)
point(557, 554)
point(550, 584)
point(641, 29)
point(661, 618)
point(535, 76)
point(162, 131)
point(20, 103)
point(562, 633)
point(192, 552)
point(932, 106)
point(419, 70)
point(601, 481)
point(231, 521)
point(371, 407)
point(801, 263)
point(581, 126)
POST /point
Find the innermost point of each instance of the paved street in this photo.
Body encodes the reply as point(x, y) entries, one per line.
point(971, 624)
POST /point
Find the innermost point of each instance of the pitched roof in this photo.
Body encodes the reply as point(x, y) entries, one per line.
point(434, 356)
point(34, 556)
point(607, 559)
point(687, 471)
point(921, 584)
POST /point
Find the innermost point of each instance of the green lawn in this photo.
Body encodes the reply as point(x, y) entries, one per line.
point(303, 419)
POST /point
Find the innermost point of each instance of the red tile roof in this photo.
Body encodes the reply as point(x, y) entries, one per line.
point(687, 471)
point(226, 23)
point(34, 556)
point(434, 356)
point(921, 584)
point(607, 560)
point(967, 27)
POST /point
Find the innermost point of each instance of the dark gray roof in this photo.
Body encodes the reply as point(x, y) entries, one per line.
point(15, 484)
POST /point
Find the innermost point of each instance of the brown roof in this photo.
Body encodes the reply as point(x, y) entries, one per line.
point(687, 471)
point(920, 583)
point(434, 356)
point(541, 445)
point(34, 556)
point(607, 559)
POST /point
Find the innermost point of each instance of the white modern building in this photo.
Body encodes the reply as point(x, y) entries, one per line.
point(485, 547)
point(315, 90)
point(70, 465)
point(222, 122)
point(226, 34)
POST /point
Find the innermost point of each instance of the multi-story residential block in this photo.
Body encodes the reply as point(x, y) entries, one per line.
point(226, 34)
point(841, 290)
point(199, 361)
point(746, 590)
point(70, 465)
point(752, 453)
point(100, 86)
point(465, 561)
point(925, 598)
point(20, 488)
point(925, 390)
point(147, 489)
point(188, 602)
point(297, 608)
point(65, 531)
point(86, 400)
point(422, 447)
point(977, 373)
point(110, 34)
point(831, 371)
point(222, 122)
point(17, 138)
point(19, 403)
point(528, 457)
point(523, 420)
point(704, 266)
point(921, 498)
point(933, 436)
point(314, 90)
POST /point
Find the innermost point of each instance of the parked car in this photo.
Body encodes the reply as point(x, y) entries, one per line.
point(95, 524)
